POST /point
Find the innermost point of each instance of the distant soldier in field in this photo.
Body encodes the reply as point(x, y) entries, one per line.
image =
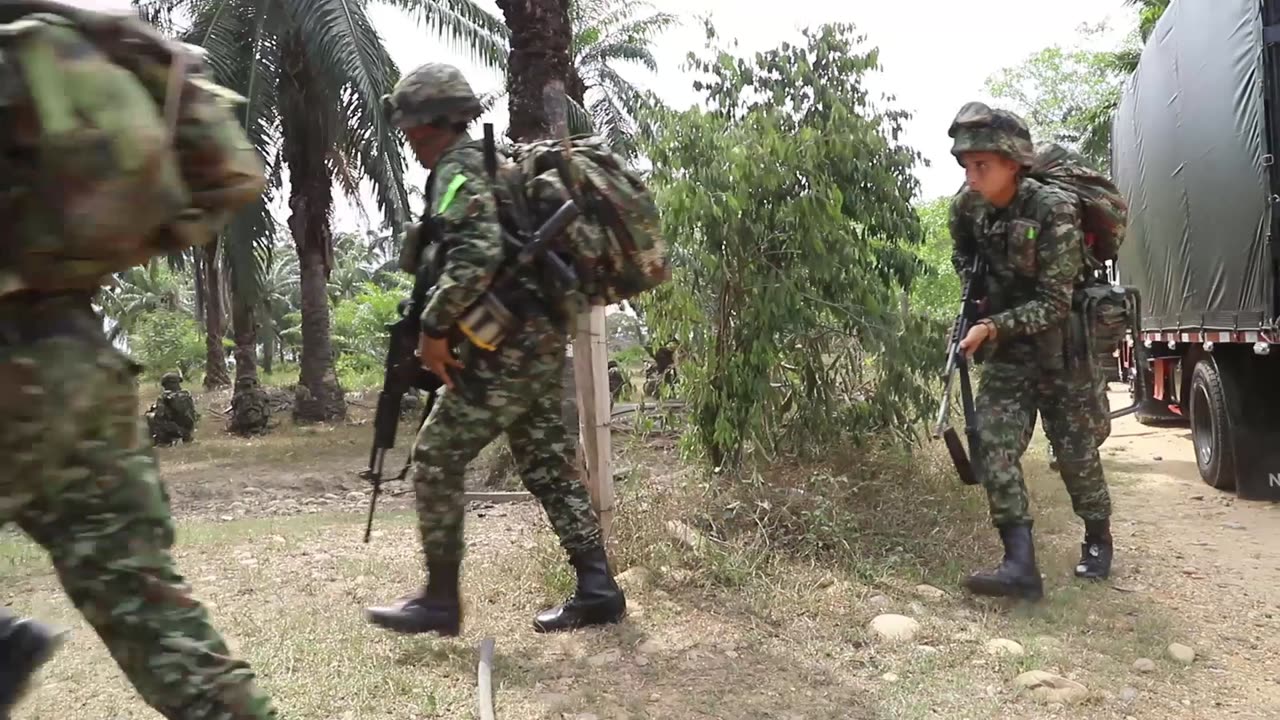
point(250, 408)
point(661, 371)
point(172, 417)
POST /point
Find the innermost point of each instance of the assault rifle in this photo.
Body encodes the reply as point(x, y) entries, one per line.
point(957, 362)
point(403, 372)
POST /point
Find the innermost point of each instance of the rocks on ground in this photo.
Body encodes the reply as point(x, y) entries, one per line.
point(1046, 687)
point(894, 628)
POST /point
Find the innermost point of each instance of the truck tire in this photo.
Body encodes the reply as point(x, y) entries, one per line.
point(1214, 421)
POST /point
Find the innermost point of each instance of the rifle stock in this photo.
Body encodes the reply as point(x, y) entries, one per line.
point(958, 363)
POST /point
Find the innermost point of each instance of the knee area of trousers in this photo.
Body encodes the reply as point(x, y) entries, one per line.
point(1077, 465)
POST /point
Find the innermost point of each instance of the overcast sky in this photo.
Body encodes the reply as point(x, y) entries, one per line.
point(936, 55)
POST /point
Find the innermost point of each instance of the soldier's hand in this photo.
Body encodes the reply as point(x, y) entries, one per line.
point(977, 335)
point(435, 356)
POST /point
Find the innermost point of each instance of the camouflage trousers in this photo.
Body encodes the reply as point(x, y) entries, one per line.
point(81, 480)
point(515, 389)
point(1008, 398)
point(166, 432)
point(1100, 423)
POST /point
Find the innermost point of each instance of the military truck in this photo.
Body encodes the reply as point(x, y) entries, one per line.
point(1194, 148)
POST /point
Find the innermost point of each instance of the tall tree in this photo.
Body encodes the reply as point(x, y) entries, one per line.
point(215, 368)
point(539, 69)
point(1066, 96)
point(606, 34)
point(313, 72)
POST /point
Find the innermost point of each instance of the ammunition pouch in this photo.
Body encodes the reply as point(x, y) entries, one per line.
point(502, 310)
point(487, 323)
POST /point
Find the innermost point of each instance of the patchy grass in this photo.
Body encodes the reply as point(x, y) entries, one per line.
point(765, 617)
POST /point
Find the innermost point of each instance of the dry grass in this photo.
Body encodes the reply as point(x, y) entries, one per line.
point(767, 620)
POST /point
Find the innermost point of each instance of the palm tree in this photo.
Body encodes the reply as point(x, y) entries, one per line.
point(138, 291)
point(314, 72)
point(279, 299)
point(606, 33)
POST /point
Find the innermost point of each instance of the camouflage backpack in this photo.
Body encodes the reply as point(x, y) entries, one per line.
point(1103, 210)
point(616, 247)
point(115, 148)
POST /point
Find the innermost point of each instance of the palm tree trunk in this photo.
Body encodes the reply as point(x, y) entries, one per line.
point(268, 347)
point(539, 63)
point(197, 270)
point(245, 328)
point(215, 366)
point(319, 395)
point(540, 71)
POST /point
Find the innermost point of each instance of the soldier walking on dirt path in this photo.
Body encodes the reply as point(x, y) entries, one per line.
point(514, 388)
point(1030, 236)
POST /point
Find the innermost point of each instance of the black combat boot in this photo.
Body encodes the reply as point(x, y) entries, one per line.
point(437, 610)
point(1095, 551)
point(597, 601)
point(1017, 575)
point(25, 645)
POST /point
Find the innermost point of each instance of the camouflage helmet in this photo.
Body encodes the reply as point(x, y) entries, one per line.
point(170, 379)
point(978, 128)
point(429, 94)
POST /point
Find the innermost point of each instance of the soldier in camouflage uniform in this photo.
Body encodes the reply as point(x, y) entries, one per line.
point(250, 408)
point(515, 388)
point(1031, 238)
point(81, 480)
point(172, 417)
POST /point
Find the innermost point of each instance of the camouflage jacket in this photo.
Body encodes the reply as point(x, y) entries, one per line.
point(464, 209)
point(1034, 253)
point(176, 406)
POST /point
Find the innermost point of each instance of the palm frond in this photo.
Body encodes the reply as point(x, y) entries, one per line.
point(614, 125)
point(466, 25)
point(580, 119)
point(621, 51)
point(345, 49)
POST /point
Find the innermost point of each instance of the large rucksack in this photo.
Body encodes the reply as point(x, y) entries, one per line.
point(114, 147)
point(1104, 213)
point(616, 247)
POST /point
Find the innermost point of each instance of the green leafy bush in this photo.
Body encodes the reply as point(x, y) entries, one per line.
point(789, 208)
point(166, 340)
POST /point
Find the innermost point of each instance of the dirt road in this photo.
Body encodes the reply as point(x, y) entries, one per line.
point(1212, 559)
